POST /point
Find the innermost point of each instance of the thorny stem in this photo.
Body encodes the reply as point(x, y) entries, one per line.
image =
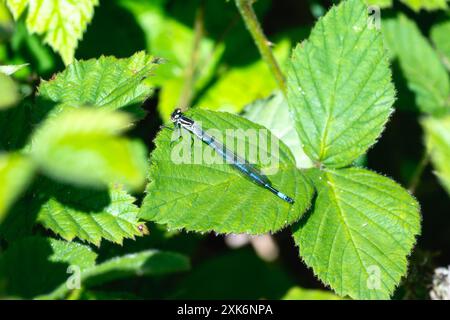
point(264, 46)
point(188, 88)
point(418, 172)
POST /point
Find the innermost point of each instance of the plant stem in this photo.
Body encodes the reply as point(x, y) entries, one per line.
point(264, 46)
point(418, 172)
point(187, 91)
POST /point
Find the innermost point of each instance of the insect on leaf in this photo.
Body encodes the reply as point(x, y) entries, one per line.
point(202, 193)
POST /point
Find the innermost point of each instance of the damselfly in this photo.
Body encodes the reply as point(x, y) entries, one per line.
point(181, 121)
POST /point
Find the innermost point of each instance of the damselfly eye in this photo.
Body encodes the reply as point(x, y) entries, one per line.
point(175, 115)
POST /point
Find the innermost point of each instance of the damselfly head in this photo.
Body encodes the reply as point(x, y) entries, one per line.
point(175, 115)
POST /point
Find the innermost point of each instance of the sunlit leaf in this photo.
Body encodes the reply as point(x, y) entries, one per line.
point(90, 215)
point(107, 83)
point(205, 194)
point(339, 86)
point(62, 22)
point(359, 233)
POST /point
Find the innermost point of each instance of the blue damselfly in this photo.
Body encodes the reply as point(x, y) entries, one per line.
point(243, 166)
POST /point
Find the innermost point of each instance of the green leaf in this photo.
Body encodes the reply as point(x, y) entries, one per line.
point(297, 293)
point(437, 139)
point(439, 35)
point(9, 93)
point(201, 195)
point(339, 86)
point(15, 174)
point(35, 265)
point(150, 262)
point(107, 83)
point(81, 146)
point(359, 232)
point(90, 215)
point(429, 5)
point(63, 22)
point(430, 81)
point(11, 69)
point(273, 113)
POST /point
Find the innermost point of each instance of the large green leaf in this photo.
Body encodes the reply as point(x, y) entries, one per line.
point(150, 262)
point(35, 265)
point(62, 22)
point(90, 215)
point(437, 138)
point(430, 81)
point(439, 34)
point(359, 232)
point(9, 93)
point(429, 5)
point(273, 113)
point(215, 196)
point(82, 146)
point(339, 86)
point(107, 83)
point(15, 174)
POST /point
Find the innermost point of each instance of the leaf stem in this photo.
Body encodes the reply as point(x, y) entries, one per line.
point(264, 46)
point(418, 172)
point(187, 91)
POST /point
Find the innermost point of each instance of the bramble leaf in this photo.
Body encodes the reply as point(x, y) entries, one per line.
point(90, 215)
point(437, 139)
point(63, 22)
point(359, 232)
point(430, 81)
point(15, 173)
point(149, 262)
point(192, 187)
point(339, 86)
point(107, 83)
point(273, 113)
point(82, 146)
